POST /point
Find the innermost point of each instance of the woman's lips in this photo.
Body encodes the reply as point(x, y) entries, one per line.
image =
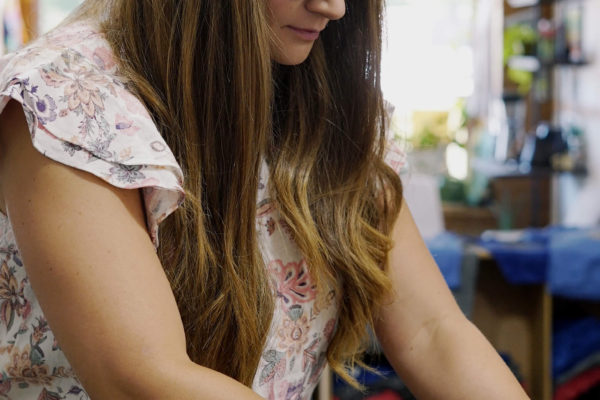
point(305, 34)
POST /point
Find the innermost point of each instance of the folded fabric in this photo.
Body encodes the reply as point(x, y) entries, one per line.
point(568, 259)
point(593, 360)
point(447, 249)
point(573, 341)
point(523, 259)
point(591, 394)
point(574, 264)
point(579, 385)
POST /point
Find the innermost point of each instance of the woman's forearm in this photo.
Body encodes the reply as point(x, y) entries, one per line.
point(182, 381)
point(425, 335)
point(451, 359)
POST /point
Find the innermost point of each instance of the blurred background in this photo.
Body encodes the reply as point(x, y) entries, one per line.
point(497, 104)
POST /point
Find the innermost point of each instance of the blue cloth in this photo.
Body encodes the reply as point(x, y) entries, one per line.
point(447, 249)
point(574, 268)
point(524, 261)
point(534, 256)
point(573, 341)
point(567, 259)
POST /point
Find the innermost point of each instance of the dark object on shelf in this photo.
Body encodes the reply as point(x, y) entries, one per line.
point(509, 145)
point(539, 148)
point(569, 33)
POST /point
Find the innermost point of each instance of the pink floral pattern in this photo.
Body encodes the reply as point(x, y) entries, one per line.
point(304, 318)
point(292, 281)
point(81, 113)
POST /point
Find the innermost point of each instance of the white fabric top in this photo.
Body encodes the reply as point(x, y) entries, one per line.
point(80, 113)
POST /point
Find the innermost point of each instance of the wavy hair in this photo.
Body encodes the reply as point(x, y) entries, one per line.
point(204, 71)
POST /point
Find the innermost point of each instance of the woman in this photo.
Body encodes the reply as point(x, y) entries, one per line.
point(290, 241)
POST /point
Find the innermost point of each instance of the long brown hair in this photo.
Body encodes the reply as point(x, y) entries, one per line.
point(204, 71)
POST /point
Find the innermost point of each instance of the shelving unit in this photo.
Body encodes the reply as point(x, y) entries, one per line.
point(517, 320)
point(540, 102)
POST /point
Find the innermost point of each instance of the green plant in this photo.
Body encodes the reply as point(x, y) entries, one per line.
point(519, 40)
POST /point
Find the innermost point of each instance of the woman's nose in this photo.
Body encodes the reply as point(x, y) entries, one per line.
point(330, 9)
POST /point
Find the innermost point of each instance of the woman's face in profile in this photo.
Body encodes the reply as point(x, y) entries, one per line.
point(296, 25)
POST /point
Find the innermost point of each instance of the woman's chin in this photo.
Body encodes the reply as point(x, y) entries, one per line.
point(290, 58)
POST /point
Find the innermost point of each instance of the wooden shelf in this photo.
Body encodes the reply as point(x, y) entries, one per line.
point(468, 220)
point(517, 320)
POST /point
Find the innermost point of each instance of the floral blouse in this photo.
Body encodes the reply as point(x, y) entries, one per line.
point(81, 113)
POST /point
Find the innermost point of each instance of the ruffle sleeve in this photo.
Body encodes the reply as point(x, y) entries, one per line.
point(394, 154)
point(84, 116)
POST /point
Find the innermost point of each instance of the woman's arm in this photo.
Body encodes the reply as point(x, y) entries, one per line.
point(426, 337)
point(98, 279)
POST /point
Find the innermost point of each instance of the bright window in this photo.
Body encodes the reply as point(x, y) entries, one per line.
point(428, 59)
